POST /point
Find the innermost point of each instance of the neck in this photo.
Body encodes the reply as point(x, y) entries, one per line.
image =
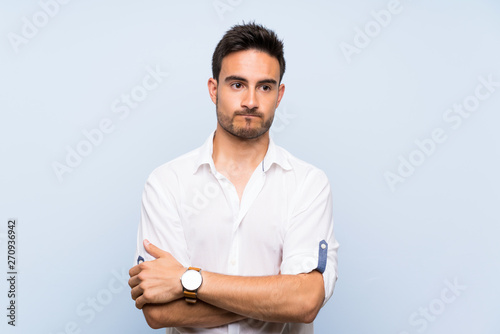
point(230, 152)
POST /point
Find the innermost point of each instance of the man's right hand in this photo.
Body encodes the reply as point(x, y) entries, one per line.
point(157, 281)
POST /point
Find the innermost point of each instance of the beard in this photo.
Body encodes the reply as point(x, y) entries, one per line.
point(246, 131)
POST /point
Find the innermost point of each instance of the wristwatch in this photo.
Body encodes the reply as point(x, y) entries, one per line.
point(191, 281)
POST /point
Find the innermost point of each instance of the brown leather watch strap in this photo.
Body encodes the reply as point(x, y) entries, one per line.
point(191, 296)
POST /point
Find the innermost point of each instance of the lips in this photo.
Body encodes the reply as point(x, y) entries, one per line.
point(248, 115)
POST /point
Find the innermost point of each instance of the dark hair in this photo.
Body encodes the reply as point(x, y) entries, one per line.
point(247, 37)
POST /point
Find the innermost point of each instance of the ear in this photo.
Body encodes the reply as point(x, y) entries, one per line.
point(281, 91)
point(212, 89)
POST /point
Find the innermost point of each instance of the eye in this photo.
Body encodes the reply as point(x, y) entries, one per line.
point(237, 85)
point(266, 88)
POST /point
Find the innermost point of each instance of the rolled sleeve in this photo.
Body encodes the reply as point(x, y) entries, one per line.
point(309, 240)
point(160, 221)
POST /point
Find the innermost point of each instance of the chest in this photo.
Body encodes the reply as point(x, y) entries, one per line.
point(225, 228)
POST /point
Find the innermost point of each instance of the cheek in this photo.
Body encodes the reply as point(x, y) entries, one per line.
point(228, 102)
point(269, 104)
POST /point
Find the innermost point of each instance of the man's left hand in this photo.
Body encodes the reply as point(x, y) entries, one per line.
point(157, 281)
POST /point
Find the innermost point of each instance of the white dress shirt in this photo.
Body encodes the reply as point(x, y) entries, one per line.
point(283, 223)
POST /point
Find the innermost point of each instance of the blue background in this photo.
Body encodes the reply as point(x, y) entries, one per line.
point(356, 114)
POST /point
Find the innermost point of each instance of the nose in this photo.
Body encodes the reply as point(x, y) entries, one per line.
point(250, 99)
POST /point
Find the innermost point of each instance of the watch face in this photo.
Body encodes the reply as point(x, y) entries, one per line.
point(191, 280)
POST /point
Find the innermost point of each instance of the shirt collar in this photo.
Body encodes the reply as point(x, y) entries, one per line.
point(274, 155)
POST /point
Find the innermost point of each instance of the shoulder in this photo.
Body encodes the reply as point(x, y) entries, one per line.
point(175, 168)
point(308, 184)
point(302, 170)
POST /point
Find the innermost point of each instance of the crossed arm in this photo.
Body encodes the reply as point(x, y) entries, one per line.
point(223, 299)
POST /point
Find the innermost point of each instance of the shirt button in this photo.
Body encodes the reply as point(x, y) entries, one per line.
point(323, 246)
point(233, 262)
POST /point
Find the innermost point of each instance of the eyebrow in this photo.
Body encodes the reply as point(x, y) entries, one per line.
point(238, 78)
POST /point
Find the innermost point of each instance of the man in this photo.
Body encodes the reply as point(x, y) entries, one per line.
point(255, 219)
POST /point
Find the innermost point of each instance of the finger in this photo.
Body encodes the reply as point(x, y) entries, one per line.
point(136, 292)
point(134, 270)
point(153, 250)
point(134, 281)
point(139, 302)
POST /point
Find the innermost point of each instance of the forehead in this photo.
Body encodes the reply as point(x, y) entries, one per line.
point(250, 64)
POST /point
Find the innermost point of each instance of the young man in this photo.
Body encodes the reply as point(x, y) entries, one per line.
point(255, 219)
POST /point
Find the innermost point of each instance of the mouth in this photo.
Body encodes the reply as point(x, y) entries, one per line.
point(248, 115)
